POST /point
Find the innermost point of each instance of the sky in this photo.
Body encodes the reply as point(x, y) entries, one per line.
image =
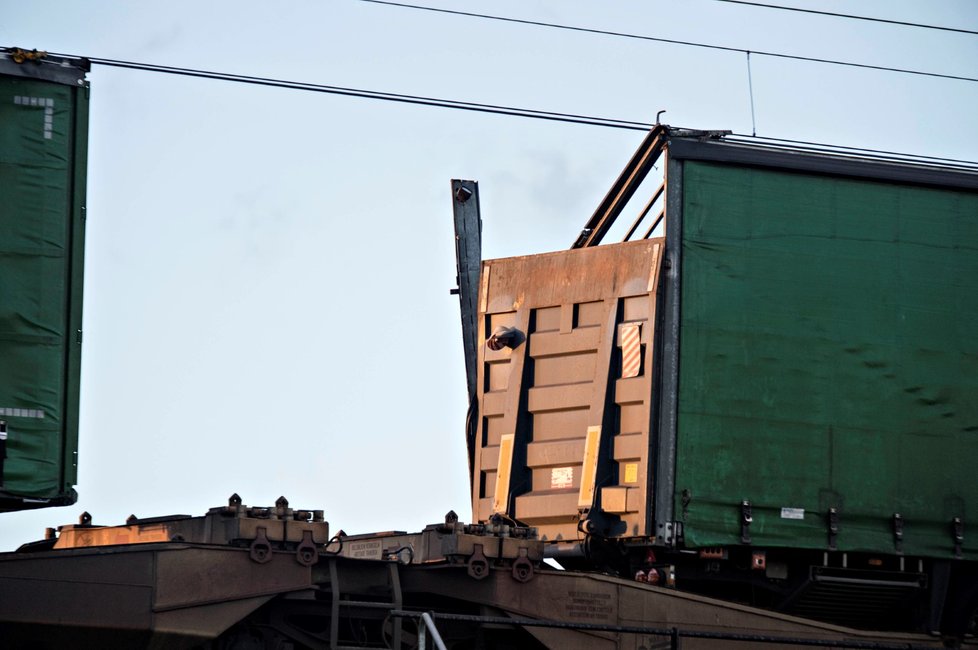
point(267, 305)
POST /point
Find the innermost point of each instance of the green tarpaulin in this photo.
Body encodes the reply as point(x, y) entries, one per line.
point(828, 359)
point(40, 285)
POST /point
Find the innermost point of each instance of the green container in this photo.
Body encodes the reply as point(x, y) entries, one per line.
point(827, 356)
point(43, 149)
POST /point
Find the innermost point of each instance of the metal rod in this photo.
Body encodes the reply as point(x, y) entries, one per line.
point(644, 212)
point(623, 188)
point(658, 220)
point(429, 624)
point(750, 87)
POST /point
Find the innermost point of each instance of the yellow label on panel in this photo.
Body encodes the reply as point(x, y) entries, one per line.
point(654, 271)
point(589, 468)
point(500, 499)
point(631, 472)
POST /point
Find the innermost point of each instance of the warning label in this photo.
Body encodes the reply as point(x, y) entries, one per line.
point(561, 477)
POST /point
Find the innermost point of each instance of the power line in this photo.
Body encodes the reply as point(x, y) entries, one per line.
point(513, 111)
point(852, 16)
point(656, 39)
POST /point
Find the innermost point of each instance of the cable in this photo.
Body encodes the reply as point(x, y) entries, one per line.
point(750, 89)
point(854, 17)
point(372, 94)
point(511, 111)
point(671, 41)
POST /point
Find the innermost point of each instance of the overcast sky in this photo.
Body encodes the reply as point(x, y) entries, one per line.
point(267, 305)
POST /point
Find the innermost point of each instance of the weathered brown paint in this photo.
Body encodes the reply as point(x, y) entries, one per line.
point(569, 305)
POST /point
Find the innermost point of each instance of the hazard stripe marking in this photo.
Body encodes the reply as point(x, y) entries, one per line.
point(631, 350)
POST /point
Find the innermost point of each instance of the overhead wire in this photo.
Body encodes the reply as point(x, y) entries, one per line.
point(373, 94)
point(672, 41)
point(851, 16)
point(511, 111)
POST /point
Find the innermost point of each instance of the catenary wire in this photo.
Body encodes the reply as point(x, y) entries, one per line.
point(671, 41)
point(511, 111)
point(852, 16)
point(372, 94)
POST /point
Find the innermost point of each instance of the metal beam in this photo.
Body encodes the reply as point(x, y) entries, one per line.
point(664, 442)
point(468, 259)
point(823, 162)
point(628, 181)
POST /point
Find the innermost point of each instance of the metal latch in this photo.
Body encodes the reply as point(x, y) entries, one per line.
point(898, 532)
point(957, 531)
point(746, 518)
point(833, 521)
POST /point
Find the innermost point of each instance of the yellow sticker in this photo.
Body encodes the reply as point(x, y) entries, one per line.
point(631, 472)
point(500, 500)
point(589, 468)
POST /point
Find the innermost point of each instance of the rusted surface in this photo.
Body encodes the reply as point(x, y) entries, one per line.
point(185, 595)
point(235, 522)
point(565, 380)
point(573, 597)
point(132, 596)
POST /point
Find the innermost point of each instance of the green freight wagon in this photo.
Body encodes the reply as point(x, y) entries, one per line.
point(766, 390)
point(43, 148)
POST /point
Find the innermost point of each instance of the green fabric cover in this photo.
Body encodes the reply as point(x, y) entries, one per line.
point(828, 358)
point(36, 206)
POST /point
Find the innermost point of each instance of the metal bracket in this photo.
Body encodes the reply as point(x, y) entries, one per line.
point(668, 534)
point(898, 532)
point(746, 519)
point(306, 553)
point(478, 566)
point(957, 532)
point(261, 549)
point(833, 522)
point(522, 567)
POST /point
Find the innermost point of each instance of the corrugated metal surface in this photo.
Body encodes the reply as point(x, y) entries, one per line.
point(561, 431)
point(43, 143)
point(827, 360)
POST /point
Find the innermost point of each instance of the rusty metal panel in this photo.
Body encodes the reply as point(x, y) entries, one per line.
point(554, 330)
